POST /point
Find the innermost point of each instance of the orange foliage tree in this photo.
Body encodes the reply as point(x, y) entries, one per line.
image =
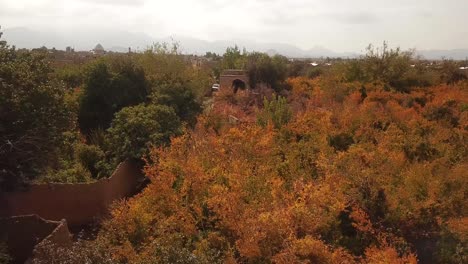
point(361, 175)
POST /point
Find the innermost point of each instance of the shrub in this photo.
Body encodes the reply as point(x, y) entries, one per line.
point(76, 173)
point(4, 256)
point(263, 69)
point(275, 112)
point(110, 86)
point(33, 116)
point(341, 142)
point(389, 66)
point(89, 156)
point(136, 128)
point(81, 251)
point(180, 97)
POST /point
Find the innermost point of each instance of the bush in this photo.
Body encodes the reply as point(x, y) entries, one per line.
point(71, 75)
point(90, 156)
point(263, 69)
point(136, 128)
point(450, 73)
point(81, 251)
point(180, 97)
point(341, 142)
point(110, 86)
point(76, 173)
point(4, 256)
point(33, 116)
point(389, 66)
point(314, 72)
point(275, 112)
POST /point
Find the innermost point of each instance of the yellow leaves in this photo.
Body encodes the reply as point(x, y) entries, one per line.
point(302, 86)
point(258, 194)
point(124, 253)
point(306, 93)
point(308, 247)
point(311, 250)
point(316, 206)
point(313, 120)
point(226, 205)
point(459, 226)
point(361, 221)
point(388, 255)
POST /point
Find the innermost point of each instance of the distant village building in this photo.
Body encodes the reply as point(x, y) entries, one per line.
point(99, 50)
point(233, 79)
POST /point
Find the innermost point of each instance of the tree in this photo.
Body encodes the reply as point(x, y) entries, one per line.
point(389, 66)
point(181, 98)
point(33, 115)
point(233, 58)
point(110, 86)
point(263, 69)
point(174, 82)
point(212, 56)
point(136, 128)
point(275, 112)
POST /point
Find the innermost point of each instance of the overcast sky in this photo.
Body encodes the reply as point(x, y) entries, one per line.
point(340, 25)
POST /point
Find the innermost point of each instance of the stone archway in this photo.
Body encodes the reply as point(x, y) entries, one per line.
point(238, 84)
point(235, 79)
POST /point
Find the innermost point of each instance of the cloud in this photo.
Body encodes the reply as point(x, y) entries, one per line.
point(337, 24)
point(354, 19)
point(115, 2)
point(362, 18)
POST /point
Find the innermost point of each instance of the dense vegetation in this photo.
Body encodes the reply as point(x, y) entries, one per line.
point(379, 178)
point(76, 123)
point(362, 161)
point(34, 113)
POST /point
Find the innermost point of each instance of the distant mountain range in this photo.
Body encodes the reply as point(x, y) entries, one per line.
point(456, 54)
point(120, 41)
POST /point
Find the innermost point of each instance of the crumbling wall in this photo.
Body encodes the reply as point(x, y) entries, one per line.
point(57, 241)
point(79, 204)
point(23, 235)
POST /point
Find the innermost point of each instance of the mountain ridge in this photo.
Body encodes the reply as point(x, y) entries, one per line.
point(120, 41)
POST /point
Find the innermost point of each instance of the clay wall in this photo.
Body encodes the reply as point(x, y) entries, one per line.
point(23, 235)
point(79, 204)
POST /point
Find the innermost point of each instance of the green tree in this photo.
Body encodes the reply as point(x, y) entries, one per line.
point(110, 86)
point(136, 128)
point(180, 97)
point(450, 73)
point(233, 58)
point(163, 63)
point(263, 69)
point(33, 116)
point(174, 82)
point(275, 112)
point(389, 66)
point(71, 75)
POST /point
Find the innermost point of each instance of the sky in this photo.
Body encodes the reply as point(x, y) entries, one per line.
point(339, 25)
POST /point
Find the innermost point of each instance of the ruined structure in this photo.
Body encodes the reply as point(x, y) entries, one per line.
point(79, 204)
point(23, 225)
point(234, 79)
point(29, 237)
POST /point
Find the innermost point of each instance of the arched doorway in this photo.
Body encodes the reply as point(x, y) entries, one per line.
point(238, 84)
